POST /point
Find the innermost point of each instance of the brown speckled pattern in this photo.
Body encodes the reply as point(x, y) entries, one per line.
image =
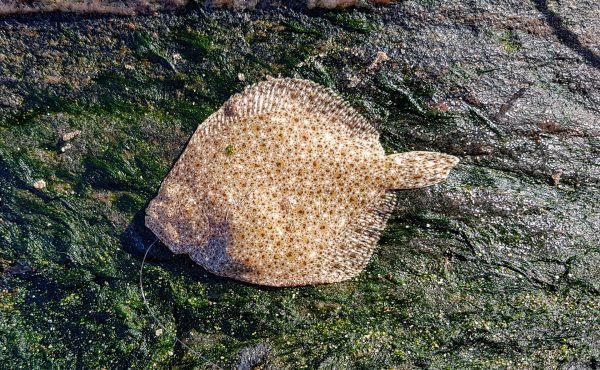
point(285, 185)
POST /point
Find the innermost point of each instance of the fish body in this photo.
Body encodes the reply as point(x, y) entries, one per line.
point(285, 185)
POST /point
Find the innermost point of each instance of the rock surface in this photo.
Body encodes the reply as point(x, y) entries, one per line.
point(498, 267)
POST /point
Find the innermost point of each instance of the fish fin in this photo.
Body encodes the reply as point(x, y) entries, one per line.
point(358, 240)
point(416, 169)
point(293, 94)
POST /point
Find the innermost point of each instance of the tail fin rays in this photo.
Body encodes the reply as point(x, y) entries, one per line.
point(416, 169)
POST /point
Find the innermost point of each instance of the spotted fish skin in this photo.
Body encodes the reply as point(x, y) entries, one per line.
point(285, 185)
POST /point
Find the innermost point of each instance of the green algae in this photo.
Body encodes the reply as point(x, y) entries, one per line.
point(354, 21)
point(297, 27)
point(509, 41)
point(229, 149)
point(196, 45)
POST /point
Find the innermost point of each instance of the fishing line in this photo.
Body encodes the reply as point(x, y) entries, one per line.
point(158, 322)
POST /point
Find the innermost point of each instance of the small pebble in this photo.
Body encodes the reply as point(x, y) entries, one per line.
point(70, 135)
point(241, 77)
point(65, 148)
point(379, 58)
point(39, 184)
point(158, 332)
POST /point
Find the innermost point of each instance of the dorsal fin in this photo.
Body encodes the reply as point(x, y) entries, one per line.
point(289, 94)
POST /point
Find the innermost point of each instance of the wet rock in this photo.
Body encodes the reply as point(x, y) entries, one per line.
point(17, 268)
point(496, 268)
point(310, 4)
point(341, 4)
point(253, 356)
point(234, 4)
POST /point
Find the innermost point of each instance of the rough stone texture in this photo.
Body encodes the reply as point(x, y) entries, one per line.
point(120, 7)
point(311, 4)
point(133, 7)
point(495, 268)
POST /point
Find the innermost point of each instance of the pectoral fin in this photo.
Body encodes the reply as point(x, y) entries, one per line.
point(416, 169)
